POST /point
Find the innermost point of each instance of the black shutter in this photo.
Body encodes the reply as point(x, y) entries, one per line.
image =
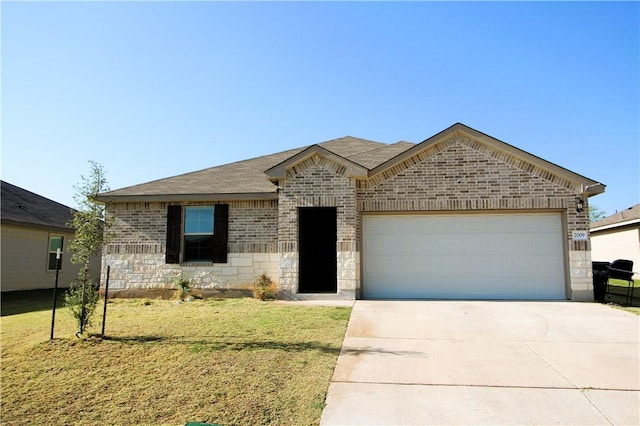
point(220, 232)
point(174, 219)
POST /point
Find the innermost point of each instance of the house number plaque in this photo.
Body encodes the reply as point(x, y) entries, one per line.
point(580, 235)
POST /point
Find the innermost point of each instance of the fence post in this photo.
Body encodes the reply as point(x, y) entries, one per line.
point(55, 292)
point(106, 296)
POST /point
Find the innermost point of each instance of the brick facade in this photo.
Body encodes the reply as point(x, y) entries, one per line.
point(457, 174)
point(136, 252)
point(462, 175)
point(318, 182)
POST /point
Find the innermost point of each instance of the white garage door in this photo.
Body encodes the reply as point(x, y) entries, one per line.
point(472, 256)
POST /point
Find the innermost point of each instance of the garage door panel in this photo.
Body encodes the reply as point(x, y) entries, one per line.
point(496, 256)
point(381, 246)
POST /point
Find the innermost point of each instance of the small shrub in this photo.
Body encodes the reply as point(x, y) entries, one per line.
point(183, 287)
point(264, 288)
point(82, 306)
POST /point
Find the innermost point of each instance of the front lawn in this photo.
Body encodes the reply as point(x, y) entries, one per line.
point(232, 361)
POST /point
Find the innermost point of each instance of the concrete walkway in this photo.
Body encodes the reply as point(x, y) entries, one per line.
point(472, 363)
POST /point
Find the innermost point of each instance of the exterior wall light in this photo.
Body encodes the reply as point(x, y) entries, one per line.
point(579, 204)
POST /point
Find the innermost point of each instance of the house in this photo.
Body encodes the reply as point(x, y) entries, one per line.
point(32, 229)
point(461, 215)
point(617, 237)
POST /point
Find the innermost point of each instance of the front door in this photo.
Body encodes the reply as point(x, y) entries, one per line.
point(317, 235)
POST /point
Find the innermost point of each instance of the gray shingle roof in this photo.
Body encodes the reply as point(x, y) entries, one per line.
point(248, 180)
point(23, 207)
point(373, 158)
point(246, 177)
point(235, 178)
point(349, 146)
point(632, 213)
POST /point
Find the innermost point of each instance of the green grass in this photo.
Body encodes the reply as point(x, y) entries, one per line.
point(617, 295)
point(232, 361)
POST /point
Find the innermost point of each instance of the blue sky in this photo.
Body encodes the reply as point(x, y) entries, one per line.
point(156, 89)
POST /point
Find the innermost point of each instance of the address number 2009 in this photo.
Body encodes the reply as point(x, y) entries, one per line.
point(580, 235)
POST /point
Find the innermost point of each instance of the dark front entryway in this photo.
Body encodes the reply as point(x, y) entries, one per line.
point(317, 244)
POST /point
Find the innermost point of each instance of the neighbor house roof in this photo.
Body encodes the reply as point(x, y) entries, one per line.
point(250, 179)
point(622, 218)
point(22, 207)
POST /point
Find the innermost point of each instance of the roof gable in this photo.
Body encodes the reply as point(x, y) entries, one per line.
point(345, 167)
point(22, 207)
point(489, 145)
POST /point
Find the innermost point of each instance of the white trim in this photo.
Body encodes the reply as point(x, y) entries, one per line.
point(616, 225)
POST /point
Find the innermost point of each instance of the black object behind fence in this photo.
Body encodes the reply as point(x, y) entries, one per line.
point(600, 279)
point(621, 269)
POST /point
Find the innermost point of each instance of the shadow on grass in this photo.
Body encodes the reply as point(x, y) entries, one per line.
point(132, 340)
point(617, 293)
point(22, 302)
point(203, 345)
point(210, 346)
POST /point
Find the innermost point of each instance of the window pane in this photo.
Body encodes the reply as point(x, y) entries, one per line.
point(198, 220)
point(55, 242)
point(198, 248)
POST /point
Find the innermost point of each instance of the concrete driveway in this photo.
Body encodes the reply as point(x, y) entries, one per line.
point(538, 363)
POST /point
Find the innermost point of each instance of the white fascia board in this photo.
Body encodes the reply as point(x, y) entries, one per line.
point(615, 225)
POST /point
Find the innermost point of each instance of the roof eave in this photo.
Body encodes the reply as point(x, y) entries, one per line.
point(622, 224)
point(594, 189)
point(38, 226)
point(145, 198)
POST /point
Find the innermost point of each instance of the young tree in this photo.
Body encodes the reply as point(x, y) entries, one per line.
point(90, 227)
point(595, 213)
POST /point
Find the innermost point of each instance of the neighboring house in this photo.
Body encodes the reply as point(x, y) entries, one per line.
point(617, 237)
point(460, 215)
point(32, 228)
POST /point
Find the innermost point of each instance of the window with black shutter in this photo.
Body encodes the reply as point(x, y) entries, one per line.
point(221, 227)
point(174, 219)
point(204, 236)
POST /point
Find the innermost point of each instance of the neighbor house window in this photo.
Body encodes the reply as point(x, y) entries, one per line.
point(55, 242)
point(198, 234)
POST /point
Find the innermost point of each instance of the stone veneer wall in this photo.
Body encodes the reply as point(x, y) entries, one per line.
point(147, 271)
point(460, 174)
point(137, 253)
point(318, 182)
